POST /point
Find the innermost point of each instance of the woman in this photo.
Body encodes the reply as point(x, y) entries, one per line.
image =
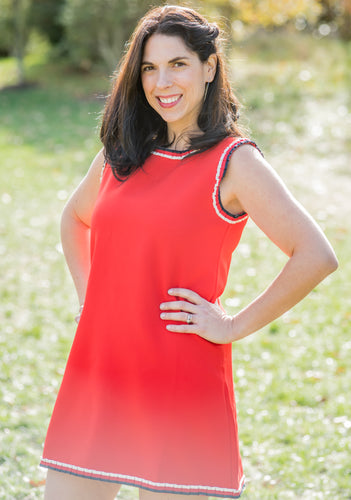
point(147, 397)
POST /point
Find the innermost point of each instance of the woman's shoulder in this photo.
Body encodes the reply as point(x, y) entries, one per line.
point(235, 142)
point(230, 144)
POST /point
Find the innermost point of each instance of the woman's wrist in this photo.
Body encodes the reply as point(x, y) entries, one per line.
point(235, 329)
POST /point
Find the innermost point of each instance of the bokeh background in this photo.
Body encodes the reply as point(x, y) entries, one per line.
point(290, 64)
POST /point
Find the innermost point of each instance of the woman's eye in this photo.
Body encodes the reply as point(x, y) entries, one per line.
point(179, 64)
point(147, 68)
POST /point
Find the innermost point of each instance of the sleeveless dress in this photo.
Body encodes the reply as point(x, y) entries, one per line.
point(140, 405)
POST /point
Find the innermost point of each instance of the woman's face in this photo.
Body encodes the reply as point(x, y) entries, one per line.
point(174, 81)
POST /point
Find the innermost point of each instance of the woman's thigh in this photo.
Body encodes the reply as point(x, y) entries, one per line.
point(61, 486)
point(150, 495)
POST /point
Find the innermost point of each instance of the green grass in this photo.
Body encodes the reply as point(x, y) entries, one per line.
point(292, 379)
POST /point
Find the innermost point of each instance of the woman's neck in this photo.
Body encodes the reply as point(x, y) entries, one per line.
point(181, 140)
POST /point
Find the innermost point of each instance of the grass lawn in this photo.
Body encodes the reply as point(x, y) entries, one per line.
point(292, 378)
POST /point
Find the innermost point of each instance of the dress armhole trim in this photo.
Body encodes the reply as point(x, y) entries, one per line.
point(220, 173)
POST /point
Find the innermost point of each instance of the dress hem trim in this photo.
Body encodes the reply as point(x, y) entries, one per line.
point(144, 483)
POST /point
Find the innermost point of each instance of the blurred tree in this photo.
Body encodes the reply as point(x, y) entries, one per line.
point(18, 18)
point(329, 10)
point(337, 12)
point(44, 15)
point(269, 13)
point(20, 9)
point(346, 24)
point(98, 29)
point(224, 12)
point(6, 28)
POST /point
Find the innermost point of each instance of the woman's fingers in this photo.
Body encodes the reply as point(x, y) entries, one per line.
point(183, 328)
point(184, 310)
point(178, 305)
point(185, 317)
point(194, 314)
point(187, 294)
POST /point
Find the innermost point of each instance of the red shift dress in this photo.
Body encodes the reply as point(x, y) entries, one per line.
point(138, 404)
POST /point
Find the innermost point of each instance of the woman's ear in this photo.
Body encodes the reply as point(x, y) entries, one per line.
point(211, 68)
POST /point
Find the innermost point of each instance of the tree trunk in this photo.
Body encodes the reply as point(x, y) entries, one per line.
point(19, 19)
point(328, 13)
point(345, 28)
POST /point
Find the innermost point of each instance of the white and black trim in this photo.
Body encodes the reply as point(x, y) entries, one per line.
point(144, 483)
point(172, 154)
point(220, 173)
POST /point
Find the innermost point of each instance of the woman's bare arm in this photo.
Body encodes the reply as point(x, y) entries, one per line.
point(252, 185)
point(75, 226)
point(286, 223)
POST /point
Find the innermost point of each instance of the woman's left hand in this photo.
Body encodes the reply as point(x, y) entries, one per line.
point(196, 315)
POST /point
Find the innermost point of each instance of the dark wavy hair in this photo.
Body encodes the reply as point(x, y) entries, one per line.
point(131, 128)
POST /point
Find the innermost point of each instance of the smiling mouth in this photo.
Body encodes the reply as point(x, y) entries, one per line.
point(169, 102)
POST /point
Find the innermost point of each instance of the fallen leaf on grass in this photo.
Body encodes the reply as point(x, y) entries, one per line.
point(36, 484)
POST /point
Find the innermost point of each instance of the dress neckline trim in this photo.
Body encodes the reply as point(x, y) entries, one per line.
point(173, 154)
point(170, 150)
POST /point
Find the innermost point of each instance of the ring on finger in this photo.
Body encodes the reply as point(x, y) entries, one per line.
point(189, 318)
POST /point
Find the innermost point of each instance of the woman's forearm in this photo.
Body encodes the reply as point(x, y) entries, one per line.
point(75, 238)
point(298, 277)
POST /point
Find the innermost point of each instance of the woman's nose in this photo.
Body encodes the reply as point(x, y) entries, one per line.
point(164, 80)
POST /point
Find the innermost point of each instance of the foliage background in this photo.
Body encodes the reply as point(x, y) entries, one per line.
point(88, 32)
point(292, 70)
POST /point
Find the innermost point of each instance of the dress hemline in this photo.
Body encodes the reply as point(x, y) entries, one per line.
point(145, 484)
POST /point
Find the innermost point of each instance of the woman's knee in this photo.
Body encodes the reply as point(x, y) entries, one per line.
point(61, 485)
point(150, 495)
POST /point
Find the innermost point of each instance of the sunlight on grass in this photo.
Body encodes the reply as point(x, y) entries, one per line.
point(8, 72)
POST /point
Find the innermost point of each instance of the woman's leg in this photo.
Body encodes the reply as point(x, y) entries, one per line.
point(150, 495)
point(63, 486)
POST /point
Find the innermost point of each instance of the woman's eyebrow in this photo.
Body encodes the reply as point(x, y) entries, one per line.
point(175, 59)
point(178, 58)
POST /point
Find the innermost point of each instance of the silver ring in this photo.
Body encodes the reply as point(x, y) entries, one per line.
point(189, 318)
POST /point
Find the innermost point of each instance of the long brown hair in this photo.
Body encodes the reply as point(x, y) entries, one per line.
point(131, 128)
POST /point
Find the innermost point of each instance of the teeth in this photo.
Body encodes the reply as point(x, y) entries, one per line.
point(169, 100)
